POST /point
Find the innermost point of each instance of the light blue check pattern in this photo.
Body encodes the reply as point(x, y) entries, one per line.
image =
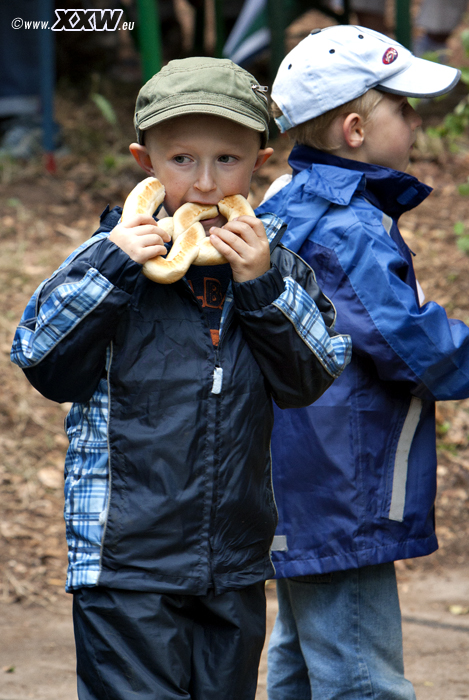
point(272, 225)
point(87, 460)
point(87, 486)
point(87, 476)
point(333, 353)
point(40, 329)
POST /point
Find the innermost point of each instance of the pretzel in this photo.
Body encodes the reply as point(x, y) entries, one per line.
point(190, 244)
point(145, 198)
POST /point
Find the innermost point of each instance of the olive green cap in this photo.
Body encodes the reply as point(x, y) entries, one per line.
point(203, 86)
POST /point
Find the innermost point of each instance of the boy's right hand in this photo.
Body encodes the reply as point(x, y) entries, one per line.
point(140, 238)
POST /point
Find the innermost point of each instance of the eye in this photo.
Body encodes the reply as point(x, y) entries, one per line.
point(180, 160)
point(227, 159)
point(404, 106)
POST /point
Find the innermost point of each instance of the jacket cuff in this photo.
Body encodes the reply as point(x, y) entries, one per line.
point(260, 292)
point(115, 265)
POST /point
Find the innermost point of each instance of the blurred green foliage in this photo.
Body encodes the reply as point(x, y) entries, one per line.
point(462, 236)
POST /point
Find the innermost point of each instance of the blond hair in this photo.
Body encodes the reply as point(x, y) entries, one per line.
point(316, 132)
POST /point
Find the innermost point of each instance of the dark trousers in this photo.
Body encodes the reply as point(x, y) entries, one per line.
point(153, 646)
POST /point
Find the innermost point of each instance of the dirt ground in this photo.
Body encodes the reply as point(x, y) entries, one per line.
point(37, 652)
point(43, 217)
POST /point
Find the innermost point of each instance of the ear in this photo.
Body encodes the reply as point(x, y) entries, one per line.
point(353, 130)
point(263, 155)
point(142, 157)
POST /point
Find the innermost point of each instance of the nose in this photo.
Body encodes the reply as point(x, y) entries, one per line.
point(205, 181)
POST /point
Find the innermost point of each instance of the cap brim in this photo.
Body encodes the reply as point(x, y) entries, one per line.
point(422, 78)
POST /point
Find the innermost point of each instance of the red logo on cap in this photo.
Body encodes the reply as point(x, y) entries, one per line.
point(390, 56)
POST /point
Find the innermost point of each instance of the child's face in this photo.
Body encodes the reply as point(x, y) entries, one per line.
point(201, 158)
point(390, 133)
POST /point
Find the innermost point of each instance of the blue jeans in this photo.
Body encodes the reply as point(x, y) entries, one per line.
point(338, 637)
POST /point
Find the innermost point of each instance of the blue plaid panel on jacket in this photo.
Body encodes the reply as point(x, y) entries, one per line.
point(333, 353)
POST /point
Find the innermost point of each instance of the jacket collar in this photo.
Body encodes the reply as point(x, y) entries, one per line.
point(392, 191)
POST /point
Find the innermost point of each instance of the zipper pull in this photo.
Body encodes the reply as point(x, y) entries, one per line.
point(217, 380)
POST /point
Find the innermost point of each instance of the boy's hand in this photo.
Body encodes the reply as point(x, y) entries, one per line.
point(140, 238)
point(244, 244)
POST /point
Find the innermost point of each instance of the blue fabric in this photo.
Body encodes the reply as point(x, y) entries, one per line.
point(338, 638)
point(150, 438)
point(392, 191)
point(355, 473)
point(333, 353)
point(153, 646)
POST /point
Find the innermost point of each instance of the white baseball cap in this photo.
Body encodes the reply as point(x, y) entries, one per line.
point(335, 65)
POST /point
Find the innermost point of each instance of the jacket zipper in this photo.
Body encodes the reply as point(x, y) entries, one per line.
point(108, 504)
point(217, 379)
point(224, 324)
point(217, 376)
point(275, 504)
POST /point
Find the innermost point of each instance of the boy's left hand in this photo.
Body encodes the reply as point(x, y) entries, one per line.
point(244, 244)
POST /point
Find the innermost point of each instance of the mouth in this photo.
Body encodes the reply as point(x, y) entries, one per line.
point(201, 204)
point(218, 221)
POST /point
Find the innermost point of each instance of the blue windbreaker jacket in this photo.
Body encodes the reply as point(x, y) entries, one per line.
point(168, 477)
point(355, 473)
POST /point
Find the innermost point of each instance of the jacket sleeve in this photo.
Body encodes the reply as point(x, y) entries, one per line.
point(405, 341)
point(288, 322)
point(63, 357)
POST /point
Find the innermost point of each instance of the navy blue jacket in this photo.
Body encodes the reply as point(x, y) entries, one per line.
point(168, 473)
point(355, 473)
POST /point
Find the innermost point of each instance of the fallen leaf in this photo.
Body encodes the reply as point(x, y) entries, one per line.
point(68, 231)
point(458, 610)
point(50, 477)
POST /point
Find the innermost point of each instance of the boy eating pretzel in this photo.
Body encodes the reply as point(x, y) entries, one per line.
point(168, 500)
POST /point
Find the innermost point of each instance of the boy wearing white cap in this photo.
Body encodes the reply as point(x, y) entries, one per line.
point(355, 473)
